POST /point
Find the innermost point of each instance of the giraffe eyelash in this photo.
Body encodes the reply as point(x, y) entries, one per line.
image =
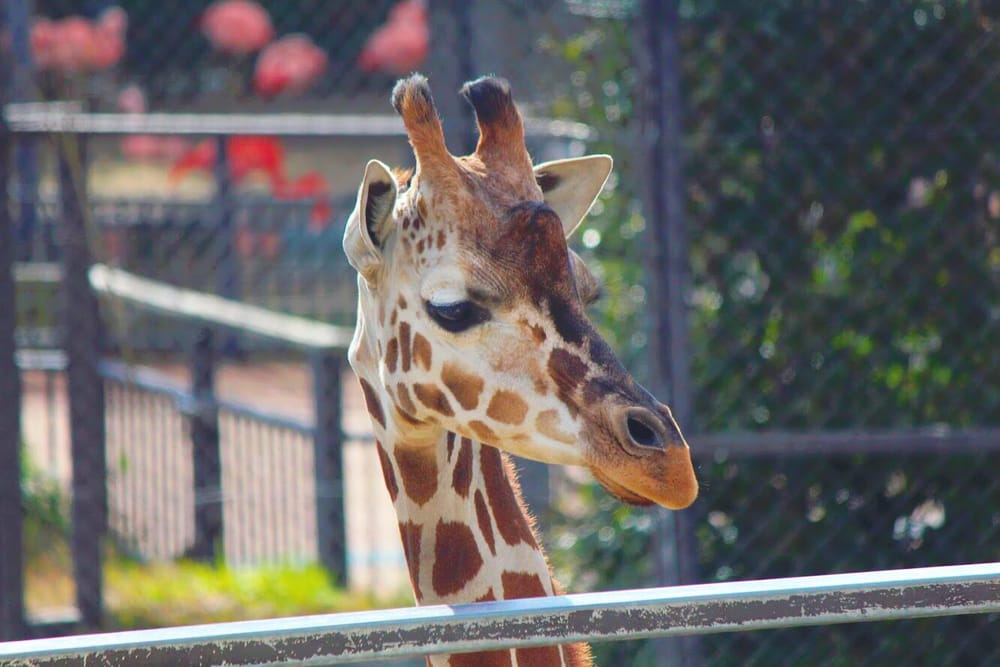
point(458, 316)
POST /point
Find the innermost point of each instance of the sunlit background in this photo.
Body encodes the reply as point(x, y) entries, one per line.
point(840, 207)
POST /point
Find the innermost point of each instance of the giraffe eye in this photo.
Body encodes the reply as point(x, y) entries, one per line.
point(458, 316)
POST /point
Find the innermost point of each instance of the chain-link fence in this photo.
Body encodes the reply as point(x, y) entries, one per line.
point(841, 198)
point(838, 189)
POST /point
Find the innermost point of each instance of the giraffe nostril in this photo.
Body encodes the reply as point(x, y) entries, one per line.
point(641, 433)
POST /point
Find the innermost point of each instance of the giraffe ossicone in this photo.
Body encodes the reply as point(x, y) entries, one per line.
point(471, 338)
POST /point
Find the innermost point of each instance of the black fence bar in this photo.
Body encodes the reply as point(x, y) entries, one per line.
point(207, 459)
point(11, 518)
point(331, 533)
point(453, 66)
point(82, 341)
point(225, 230)
point(18, 29)
point(668, 283)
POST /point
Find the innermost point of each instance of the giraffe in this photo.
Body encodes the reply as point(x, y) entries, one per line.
point(472, 342)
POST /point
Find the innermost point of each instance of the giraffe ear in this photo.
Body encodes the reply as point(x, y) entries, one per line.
point(371, 221)
point(571, 186)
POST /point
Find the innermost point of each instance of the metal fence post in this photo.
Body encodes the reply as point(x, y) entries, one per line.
point(11, 518)
point(81, 332)
point(18, 24)
point(667, 281)
point(331, 533)
point(450, 65)
point(228, 283)
point(207, 463)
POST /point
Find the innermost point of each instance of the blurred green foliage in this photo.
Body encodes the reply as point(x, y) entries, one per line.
point(145, 595)
point(842, 175)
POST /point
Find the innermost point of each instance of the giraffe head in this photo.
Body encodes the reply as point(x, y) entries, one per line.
point(471, 308)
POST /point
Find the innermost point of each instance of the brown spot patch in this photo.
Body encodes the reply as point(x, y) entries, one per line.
point(456, 557)
point(387, 472)
point(405, 402)
point(401, 302)
point(404, 345)
point(391, 354)
point(410, 532)
point(420, 246)
point(465, 387)
point(504, 498)
point(547, 423)
point(451, 444)
point(418, 469)
point(596, 390)
point(507, 407)
point(488, 596)
point(483, 431)
point(538, 656)
point(421, 352)
point(433, 398)
point(568, 371)
point(372, 403)
point(522, 585)
point(537, 331)
point(441, 239)
point(490, 659)
point(485, 524)
point(461, 478)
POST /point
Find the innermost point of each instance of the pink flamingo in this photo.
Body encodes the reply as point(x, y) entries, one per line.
point(239, 27)
point(400, 45)
point(75, 44)
point(291, 64)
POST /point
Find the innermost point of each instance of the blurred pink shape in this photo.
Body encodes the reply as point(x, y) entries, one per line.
point(75, 44)
point(290, 65)
point(400, 46)
point(131, 99)
point(146, 147)
point(150, 148)
point(310, 185)
point(239, 27)
point(245, 154)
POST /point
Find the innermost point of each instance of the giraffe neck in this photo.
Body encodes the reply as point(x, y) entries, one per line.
point(467, 536)
point(465, 532)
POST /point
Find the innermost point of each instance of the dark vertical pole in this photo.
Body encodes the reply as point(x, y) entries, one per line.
point(331, 533)
point(450, 65)
point(207, 462)
point(667, 277)
point(81, 332)
point(227, 278)
point(11, 536)
point(26, 151)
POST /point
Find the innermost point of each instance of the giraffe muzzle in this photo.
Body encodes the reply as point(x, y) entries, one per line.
point(653, 463)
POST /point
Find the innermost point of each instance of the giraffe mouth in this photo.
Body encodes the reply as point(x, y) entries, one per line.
point(619, 491)
point(645, 475)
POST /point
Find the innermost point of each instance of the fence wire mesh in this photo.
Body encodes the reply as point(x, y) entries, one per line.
point(841, 185)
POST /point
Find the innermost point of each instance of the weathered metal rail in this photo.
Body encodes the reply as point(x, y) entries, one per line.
point(655, 612)
point(70, 118)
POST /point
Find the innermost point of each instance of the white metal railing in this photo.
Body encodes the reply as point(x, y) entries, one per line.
point(655, 612)
point(70, 117)
point(209, 308)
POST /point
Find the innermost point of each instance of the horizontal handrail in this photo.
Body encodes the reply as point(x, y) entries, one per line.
point(940, 439)
point(215, 310)
point(654, 612)
point(35, 117)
